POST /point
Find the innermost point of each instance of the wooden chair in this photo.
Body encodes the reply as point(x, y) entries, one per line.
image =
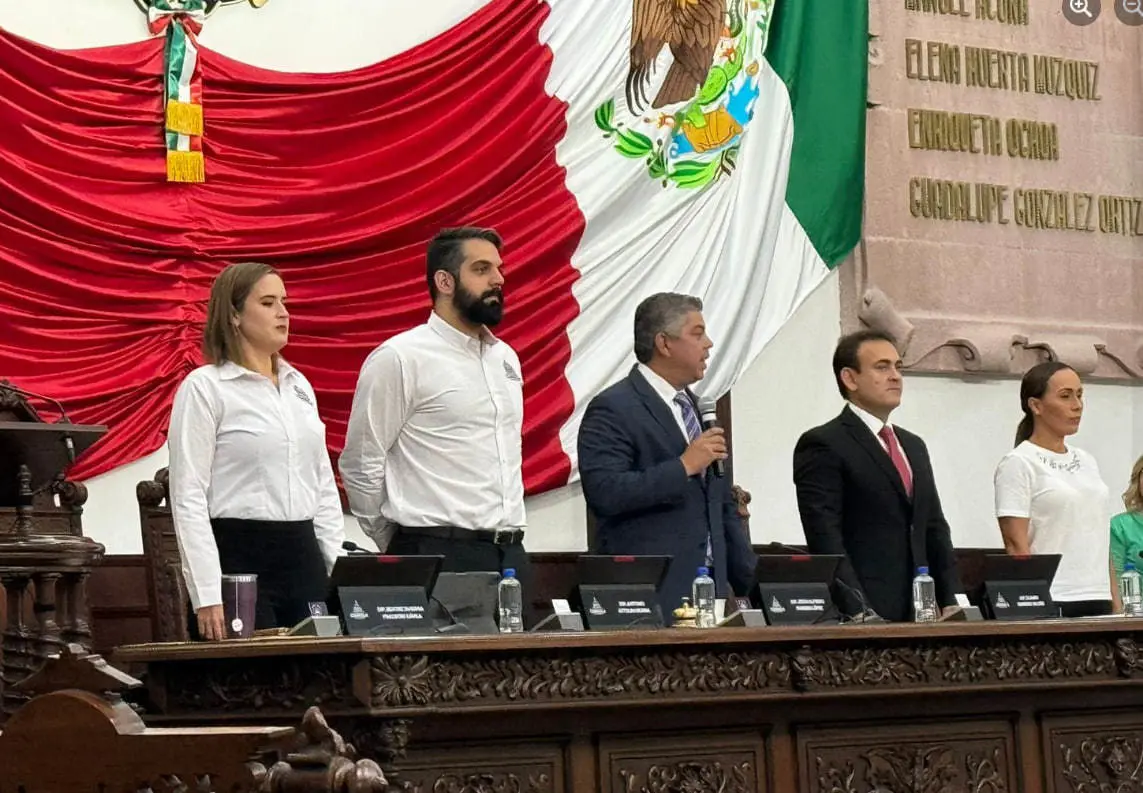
point(166, 591)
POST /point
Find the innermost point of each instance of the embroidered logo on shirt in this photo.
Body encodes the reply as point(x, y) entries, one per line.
point(510, 373)
point(1070, 466)
point(300, 393)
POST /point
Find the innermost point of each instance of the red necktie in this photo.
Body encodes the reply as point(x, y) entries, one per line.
point(898, 459)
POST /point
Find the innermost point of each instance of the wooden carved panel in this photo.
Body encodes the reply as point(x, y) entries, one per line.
point(684, 763)
point(1094, 753)
point(976, 757)
point(408, 680)
point(472, 768)
point(263, 686)
point(403, 683)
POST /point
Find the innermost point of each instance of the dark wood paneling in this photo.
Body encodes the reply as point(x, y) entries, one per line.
point(925, 757)
point(731, 762)
point(120, 582)
point(1093, 752)
point(1051, 707)
point(529, 767)
point(117, 594)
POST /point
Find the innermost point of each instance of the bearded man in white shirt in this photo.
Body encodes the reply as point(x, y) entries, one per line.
point(433, 451)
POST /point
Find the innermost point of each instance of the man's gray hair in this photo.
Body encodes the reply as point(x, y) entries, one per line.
point(664, 312)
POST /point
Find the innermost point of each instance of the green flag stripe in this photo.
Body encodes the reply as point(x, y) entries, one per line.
point(176, 47)
point(820, 50)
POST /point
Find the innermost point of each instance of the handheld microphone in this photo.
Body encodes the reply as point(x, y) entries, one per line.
point(709, 417)
point(353, 547)
point(63, 419)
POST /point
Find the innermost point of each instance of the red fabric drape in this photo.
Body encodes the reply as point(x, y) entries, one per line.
point(338, 180)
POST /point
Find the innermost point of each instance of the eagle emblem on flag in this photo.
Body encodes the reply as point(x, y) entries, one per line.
point(691, 85)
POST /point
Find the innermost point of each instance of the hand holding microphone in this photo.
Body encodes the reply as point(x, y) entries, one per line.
point(709, 449)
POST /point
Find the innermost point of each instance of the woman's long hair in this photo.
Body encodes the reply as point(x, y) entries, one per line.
point(1034, 386)
point(1132, 498)
point(228, 293)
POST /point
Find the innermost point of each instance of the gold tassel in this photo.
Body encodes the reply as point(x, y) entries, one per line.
point(185, 166)
point(184, 118)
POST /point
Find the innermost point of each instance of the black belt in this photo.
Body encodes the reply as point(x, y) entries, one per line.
point(496, 537)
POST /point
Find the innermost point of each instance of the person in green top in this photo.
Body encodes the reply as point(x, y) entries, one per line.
point(1127, 527)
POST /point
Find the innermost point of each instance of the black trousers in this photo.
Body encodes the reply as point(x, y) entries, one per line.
point(1084, 608)
point(287, 559)
point(469, 556)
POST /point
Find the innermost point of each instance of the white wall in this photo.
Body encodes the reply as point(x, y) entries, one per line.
point(288, 35)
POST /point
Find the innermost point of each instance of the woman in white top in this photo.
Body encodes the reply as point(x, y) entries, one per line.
point(1049, 495)
point(252, 488)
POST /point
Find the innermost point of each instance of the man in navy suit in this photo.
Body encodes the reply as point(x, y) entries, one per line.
point(866, 489)
point(647, 466)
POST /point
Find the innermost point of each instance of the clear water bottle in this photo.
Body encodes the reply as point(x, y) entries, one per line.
point(1131, 591)
point(511, 603)
point(702, 594)
point(924, 597)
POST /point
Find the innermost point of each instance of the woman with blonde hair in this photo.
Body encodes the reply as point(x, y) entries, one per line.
point(1127, 527)
point(252, 487)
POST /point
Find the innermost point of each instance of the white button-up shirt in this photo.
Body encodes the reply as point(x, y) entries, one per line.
point(667, 393)
point(875, 426)
point(434, 437)
point(241, 448)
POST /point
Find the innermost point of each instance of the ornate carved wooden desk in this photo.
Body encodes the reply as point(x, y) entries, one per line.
point(1051, 707)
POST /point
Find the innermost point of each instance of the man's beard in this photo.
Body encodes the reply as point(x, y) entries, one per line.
point(478, 310)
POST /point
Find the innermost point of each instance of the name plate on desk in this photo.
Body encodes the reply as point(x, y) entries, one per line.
point(619, 606)
point(1018, 600)
point(794, 603)
point(384, 610)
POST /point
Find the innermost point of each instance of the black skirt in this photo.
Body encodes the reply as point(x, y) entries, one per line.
point(287, 559)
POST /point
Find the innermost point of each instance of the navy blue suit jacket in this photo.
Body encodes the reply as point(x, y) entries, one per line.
point(643, 500)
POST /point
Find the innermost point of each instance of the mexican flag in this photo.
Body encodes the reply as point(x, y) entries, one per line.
point(621, 147)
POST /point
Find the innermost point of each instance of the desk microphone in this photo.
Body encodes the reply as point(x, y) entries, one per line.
point(867, 612)
point(710, 419)
point(63, 419)
point(353, 547)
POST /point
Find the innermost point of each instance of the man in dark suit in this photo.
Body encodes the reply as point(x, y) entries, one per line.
point(866, 489)
point(647, 466)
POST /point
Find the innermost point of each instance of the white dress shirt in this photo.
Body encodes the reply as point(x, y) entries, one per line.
point(241, 448)
point(434, 437)
point(875, 424)
point(667, 392)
